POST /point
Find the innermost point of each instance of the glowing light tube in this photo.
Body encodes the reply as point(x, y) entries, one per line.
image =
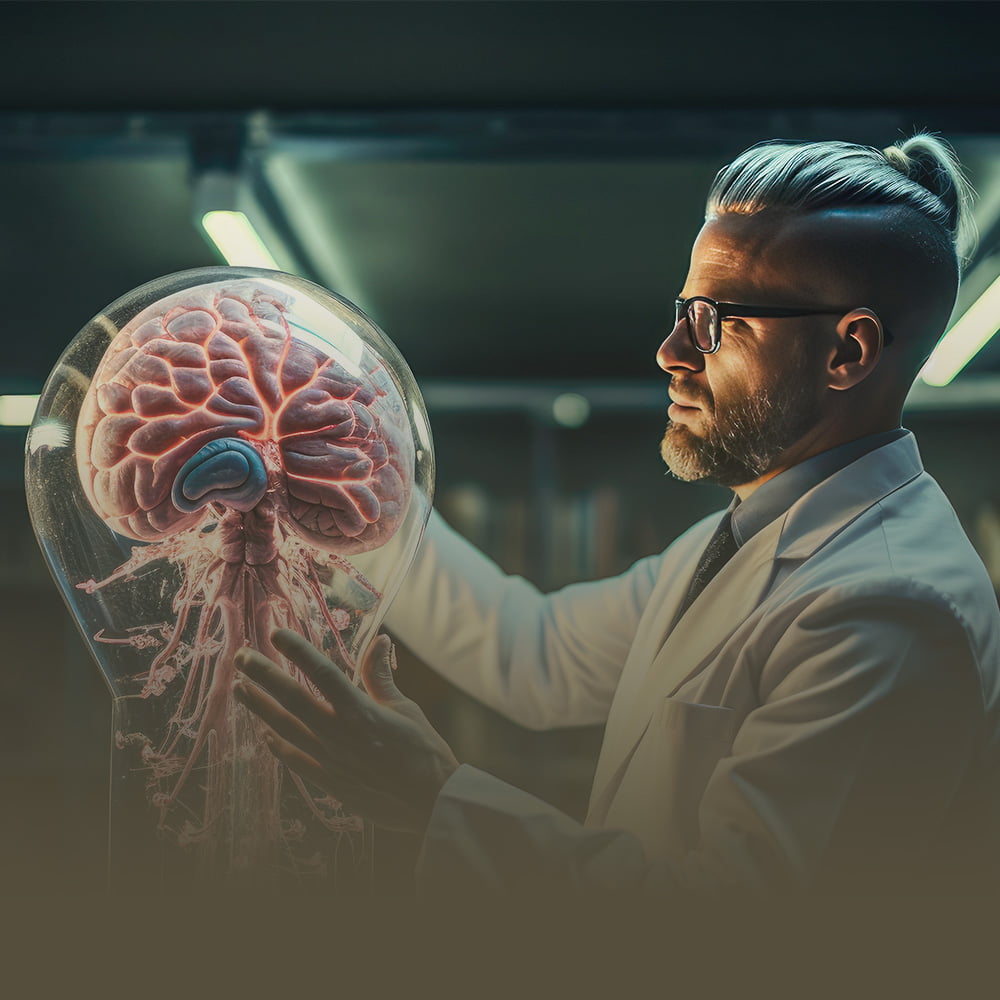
point(17, 411)
point(965, 339)
point(237, 240)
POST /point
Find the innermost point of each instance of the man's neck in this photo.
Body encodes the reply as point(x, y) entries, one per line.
point(781, 491)
point(802, 451)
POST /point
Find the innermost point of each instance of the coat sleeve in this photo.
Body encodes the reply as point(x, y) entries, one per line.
point(844, 775)
point(541, 660)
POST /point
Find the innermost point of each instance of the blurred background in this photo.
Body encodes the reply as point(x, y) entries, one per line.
point(510, 190)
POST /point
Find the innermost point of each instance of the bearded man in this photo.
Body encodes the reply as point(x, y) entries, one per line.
point(802, 691)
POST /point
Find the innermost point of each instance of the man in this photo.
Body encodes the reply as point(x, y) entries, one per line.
point(802, 691)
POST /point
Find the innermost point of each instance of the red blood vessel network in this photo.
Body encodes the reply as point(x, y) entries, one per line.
point(257, 464)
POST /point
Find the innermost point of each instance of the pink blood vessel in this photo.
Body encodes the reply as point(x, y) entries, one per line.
point(256, 464)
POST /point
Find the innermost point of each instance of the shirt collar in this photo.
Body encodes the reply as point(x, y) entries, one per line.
point(778, 494)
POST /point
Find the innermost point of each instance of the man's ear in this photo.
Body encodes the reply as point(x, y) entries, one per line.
point(860, 340)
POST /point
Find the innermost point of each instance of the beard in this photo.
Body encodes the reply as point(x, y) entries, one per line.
point(745, 436)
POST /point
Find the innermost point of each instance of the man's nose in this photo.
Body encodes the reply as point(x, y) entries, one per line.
point(677, 352)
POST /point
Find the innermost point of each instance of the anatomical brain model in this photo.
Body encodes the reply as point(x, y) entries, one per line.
point(247, 441)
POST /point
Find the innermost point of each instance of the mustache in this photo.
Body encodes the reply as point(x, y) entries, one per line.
point(691, 390)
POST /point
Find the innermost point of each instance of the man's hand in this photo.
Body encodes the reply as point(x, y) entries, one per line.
point(375, 752)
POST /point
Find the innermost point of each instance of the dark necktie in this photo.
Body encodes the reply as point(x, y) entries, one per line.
point(718, 551)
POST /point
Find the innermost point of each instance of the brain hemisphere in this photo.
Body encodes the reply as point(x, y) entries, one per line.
point(346, 477)
point(206, 367)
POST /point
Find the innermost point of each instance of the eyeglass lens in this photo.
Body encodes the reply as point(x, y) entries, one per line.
point(703, 323)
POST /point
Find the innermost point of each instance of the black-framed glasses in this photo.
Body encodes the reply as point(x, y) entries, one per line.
point(704, 318)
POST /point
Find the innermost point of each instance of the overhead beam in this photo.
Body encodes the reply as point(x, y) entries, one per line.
point(588, 133)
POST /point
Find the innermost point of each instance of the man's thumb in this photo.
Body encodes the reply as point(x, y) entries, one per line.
point(376, 672)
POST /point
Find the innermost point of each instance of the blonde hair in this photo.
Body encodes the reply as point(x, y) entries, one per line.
point(922, 173)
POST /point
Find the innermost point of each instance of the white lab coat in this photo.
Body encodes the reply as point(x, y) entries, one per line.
point(826, 713)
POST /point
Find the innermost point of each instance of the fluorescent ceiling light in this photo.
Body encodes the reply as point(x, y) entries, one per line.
point(965, 339)
point(237, 240)
point(17, 411)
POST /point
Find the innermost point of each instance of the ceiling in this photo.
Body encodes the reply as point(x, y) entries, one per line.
point(509, 189)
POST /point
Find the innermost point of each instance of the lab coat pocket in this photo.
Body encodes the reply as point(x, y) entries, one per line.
point(696, 738)
point(693, 722)
point(662, 787)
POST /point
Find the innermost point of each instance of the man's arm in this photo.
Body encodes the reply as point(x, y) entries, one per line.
point(543, 660)
point(844, 775)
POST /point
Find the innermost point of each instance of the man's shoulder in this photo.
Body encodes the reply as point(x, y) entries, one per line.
point(887, 525)
point(916, 539)
point(905, 557)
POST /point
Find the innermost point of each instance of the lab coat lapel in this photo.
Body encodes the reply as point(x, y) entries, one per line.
point(663, 607)
point(715, 614)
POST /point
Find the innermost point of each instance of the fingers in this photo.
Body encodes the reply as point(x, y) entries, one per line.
point(283, 688)
point(297, 760)
point(357, 799)
point(327, 676)
point(282, 722)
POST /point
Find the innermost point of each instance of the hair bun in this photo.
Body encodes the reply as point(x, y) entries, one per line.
point(898, 159)
point(927, 160)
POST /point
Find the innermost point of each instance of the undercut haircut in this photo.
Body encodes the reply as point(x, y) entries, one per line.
point(922, 173)
point(920, 177)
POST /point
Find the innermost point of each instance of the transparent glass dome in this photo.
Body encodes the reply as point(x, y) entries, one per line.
point(220, 453)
